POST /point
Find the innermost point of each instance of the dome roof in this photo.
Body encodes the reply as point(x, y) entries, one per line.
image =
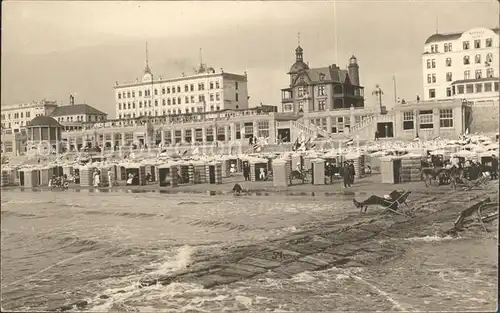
point(44, 121)
point(147, 77)
point(298, 67)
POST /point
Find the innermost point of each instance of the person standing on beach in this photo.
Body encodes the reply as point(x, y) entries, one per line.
point(494, 167)
point(346, 175)
point(352, 172)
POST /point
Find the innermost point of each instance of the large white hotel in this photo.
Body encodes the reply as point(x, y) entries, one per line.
point(461, 65)
point(205, 91)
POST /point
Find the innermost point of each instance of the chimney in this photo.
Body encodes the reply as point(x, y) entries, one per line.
point(71, 100)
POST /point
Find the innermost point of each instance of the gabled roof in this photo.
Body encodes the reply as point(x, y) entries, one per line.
point(331, 74)
point(76, 109)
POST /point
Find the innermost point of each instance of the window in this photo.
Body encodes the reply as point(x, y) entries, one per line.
point(186, 88)
point(186, 100)
point(447, 47)
point(201, 86)
point(466, 74)
point(163, 91)
point(169, 102)
point(479, 74)
point(426, 119)
point(466, 60)
point(128, 105)
point(487, 87)
point(236, 97)
point(211, 97)
point(217, 85)
point(408, 122)
point(128, 94)
point(236, 85)
point(178, 88)
point(434, 49)
point(321, 90)
point(217, 96)
point(119, 106)
point(133, 105)
point(119, 95)
point(448, 91)
point(429, 63)
point(286, 108)
point(477, 44)
point(449, 77)
point(446, 118)
point(433, 78)
point(191, 87)
point(168, 89)
point(201, 98)
point(174, 101)
point(489, 42)
point(466, 45)
point(432, 93)
point(156, 103)
point(478, 58)
point(469, 88)
point(179, 100)
point(479, 88)
point(496, 86)
point(429, 78)
point(192, 99)
point(489, 72)
point(448, 62)
point(300, 91)
point(433, 63)
point(211, 85)
point(263, 129)
point(156, 92)
point(321, 105)
point(489, 57)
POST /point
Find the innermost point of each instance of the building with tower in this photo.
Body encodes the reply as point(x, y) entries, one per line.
point(206, 90)
point(328, 97)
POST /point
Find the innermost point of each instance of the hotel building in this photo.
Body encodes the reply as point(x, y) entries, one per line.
point(462, 65)
point(72, 116)
point(16, 117)
point(205, 91)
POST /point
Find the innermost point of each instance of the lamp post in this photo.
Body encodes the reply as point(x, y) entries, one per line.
point(378, 93)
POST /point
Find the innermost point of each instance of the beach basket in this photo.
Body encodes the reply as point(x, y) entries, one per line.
point(45, 176)
point(87, 176)
point(31, 178)
point(281, 173)
point(5, 180)
point(217, 173)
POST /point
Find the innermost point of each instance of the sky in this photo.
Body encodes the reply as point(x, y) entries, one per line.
point(53, 49)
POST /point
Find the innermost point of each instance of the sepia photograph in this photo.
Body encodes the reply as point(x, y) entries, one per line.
point(249, 156)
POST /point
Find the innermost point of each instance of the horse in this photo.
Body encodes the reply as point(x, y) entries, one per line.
point(300, 175)
point(430, 174)
point(456, 176)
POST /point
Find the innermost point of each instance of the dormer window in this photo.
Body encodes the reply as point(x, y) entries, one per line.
point(477, 44)
point(321, 76)
point(466, 45)
point(489, 42)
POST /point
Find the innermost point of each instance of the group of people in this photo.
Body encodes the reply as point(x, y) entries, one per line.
point(348, 172)
point(59, 181)
point(472, 168)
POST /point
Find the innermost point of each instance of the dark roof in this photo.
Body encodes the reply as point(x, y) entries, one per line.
point(331, 74)
point(76, 109)
point(475, 80)
point(450, 36)
point(44, 121)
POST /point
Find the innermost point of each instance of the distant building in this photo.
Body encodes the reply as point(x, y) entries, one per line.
point(16, 117)
point(462, 65)
point(72, 116)
point(204, 91)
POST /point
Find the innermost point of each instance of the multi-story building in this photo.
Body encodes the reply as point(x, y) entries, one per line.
point(16, 117)
point(205, 91)
point(324, 96)
point(72, 116)
point(462, 65)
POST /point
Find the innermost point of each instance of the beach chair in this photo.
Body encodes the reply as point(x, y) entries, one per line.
point(396, 206)
point(480, 182)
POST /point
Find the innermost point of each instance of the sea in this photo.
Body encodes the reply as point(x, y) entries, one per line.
point(61, 247)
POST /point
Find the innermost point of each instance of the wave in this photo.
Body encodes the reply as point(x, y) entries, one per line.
point(432, 238)
point(6, 213)
point(115, 297)
point(227, 225)
point(17, 201)
point(129, 214)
